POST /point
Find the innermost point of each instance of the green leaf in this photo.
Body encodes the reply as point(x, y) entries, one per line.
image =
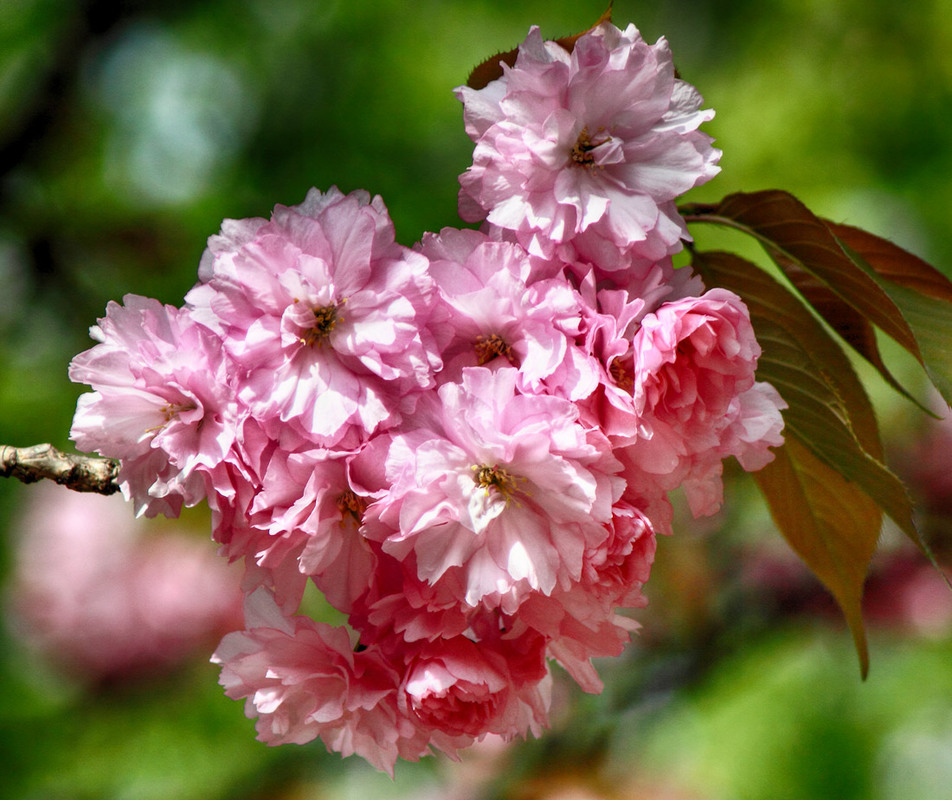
point(830, 522)
point(931, 321)
point(891, 262)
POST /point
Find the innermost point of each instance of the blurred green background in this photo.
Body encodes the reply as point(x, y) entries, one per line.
point(128, 130)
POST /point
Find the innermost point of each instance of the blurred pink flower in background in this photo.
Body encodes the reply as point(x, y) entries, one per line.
point(95, 591)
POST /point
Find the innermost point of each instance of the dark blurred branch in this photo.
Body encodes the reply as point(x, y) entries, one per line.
point(43, 461)
point(87, 24)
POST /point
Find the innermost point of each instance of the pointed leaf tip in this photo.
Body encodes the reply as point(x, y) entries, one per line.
point(830, 522)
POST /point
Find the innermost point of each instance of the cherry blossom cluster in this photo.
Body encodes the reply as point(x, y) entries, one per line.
point(466, 446)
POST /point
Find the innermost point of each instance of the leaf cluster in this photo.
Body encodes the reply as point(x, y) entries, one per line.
point(828, 487)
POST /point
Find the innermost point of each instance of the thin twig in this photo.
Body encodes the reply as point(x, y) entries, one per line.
point(43, 461)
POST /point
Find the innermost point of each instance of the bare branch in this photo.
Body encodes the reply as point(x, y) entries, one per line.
point(77, 472)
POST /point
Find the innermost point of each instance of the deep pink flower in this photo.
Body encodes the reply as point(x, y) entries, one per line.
point(589, 145)
point(164, 402)
point(325, 312)
point(694, 389)
point(465, 688)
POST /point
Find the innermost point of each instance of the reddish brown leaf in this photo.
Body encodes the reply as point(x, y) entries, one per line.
point(830, 522)
point(491, 69)
point(791, 233)
point(893, 263)
point(849, 323)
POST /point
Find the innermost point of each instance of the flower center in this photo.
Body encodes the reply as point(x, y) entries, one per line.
point(621, 376)
point(495, 477)
point(172, 410)
point(325, 319)
point(488, 347)
point(350, 503)
point(582, 151)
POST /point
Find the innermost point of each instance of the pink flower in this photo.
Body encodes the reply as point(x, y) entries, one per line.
point(304, 680)
point(164, 402)
point(325, 312)
point(308, 511)
point(496, 312)
point(597, 372)
point(467, 447)
point(580, 623)
point(610, 318)
point(465, 688)
point(589, 146)
point(400, 606)
point(511, 490)
point(693, 387)
point(107, 596)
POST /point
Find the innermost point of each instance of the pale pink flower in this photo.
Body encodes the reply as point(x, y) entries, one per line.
point(512, 490)
point(308, 511)
point(590, 146)
point(495, 312)
point(107, 596)
point(164, 402)
point(325, 312)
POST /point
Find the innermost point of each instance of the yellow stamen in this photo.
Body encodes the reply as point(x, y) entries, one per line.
point(488, 347)
point(582, 150)
point(325, 319)
point(171, 411)
point(496, 478)
point(621, 376)
point(350, 503)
